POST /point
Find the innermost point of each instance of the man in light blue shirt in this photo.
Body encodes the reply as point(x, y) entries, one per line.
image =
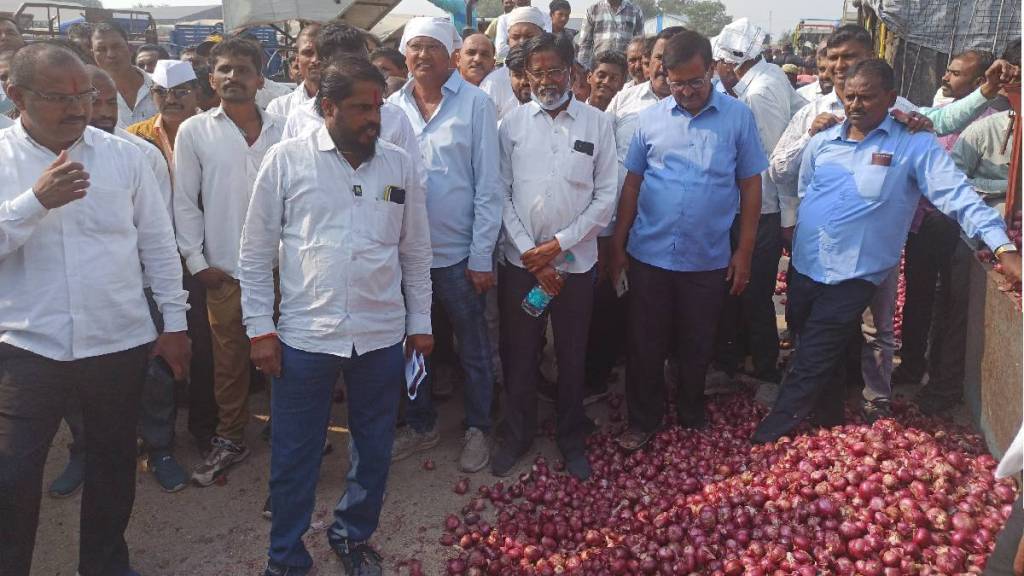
point(860, 182)
point(455, 123)
point(695, 158)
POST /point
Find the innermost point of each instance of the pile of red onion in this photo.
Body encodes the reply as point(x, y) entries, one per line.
point(892, 499)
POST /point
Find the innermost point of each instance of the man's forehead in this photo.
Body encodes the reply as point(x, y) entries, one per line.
point(421, 40)
point(477, 42)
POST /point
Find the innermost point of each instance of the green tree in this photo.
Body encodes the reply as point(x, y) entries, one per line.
point(649, 7)
point(705, 16)
point(488, 9)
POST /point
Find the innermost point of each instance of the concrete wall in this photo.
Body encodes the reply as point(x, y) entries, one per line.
point(993, 385)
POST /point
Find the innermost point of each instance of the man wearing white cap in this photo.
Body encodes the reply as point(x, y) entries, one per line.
point(502, 37)
point(175, 92)
point(521, 24)
point(766, 90)
point(456, 126)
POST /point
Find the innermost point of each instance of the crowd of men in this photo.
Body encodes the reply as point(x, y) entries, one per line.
point(611, 195)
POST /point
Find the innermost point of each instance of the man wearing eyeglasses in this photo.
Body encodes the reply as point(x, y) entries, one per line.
point(694, 159)
point(176, 91)
point(84, 228)
point(456, 126)
point(558, 168)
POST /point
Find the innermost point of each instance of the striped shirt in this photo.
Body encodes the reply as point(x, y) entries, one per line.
point(607, 28)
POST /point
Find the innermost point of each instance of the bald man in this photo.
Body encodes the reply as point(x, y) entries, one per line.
point(476, 58)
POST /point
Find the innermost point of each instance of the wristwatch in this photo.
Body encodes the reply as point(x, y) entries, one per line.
point(1008, 247)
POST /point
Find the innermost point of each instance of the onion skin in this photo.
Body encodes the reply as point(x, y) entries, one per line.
point(906, 496)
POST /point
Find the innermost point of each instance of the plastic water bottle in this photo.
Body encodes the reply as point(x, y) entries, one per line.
point(536, 301)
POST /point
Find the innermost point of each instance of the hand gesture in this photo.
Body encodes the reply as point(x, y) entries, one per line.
point(823, 121)
point(176, 349)
point(62, 182)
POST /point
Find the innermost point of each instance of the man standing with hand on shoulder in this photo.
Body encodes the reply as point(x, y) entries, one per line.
point(83, 227)
point(695, 159)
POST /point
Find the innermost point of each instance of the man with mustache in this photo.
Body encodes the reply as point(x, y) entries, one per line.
point(456, 127)
point(84, 228)
point(309, 71)
point(476, 58)
point(113, 54)
point(860, 181)
point(216, 157)
point(355, 204)
point(558, 168)
point(176, 91)
point(823, 86)
point(695, 160)
point(607, 338)
point(635, 62)
point(516, 64)
point(847, 46)
point(606, 79)
point(522, 24)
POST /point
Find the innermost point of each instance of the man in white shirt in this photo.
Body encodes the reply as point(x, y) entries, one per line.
point(766, 90)
point(355, 206)
point(476, 58)
point(823, 85)
point(113, 54)
point(522, 24)
point(456, 128)
point(606, 78)
point(216, 157)
point(83, 229)
point(558, 168)
point(503, 38)
point(607, 338)
point(309, 69)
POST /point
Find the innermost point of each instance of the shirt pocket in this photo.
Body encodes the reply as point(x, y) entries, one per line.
point(106, 210)
point(386, 222)
point(871, 182)
point(581, 168)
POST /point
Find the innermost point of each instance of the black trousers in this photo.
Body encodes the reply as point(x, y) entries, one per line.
point(202, 406)
point(948, 336)
point(928, 256)
point(666, 307)
point(823, 317)
point(32, 393)
point(748, 322)
point(607, 338)
point(522, 337)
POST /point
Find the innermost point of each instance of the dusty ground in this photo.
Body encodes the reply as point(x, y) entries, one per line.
point(218, 531)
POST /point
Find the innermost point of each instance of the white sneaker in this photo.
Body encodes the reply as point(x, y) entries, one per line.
point(476, 454)
point(224, 455)
point(409, 442)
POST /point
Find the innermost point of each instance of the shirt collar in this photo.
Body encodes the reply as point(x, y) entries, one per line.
point(88, 137)
point(622, 6)
point(267, 119)
point(324, 142)
point(453, 84)
point(714, 102)
point(572, 110)
point(888, 125)
point(754, 73)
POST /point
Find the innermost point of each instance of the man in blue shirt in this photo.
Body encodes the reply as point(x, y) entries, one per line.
point(457, 128)
point(694, 158)
point(860, 182)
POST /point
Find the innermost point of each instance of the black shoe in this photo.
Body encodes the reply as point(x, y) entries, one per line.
point(774, 426)
point(358, 559)
point(268, 509)
point(874, 410)
point(579, 467)
point(503, 461)
point(274, 569)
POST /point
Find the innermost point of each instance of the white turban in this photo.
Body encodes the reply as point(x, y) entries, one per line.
point(530, 14)
point(170, 73)
point(739, 42)
point(437, 28)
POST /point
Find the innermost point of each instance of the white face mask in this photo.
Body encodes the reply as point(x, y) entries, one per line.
point(551, 103)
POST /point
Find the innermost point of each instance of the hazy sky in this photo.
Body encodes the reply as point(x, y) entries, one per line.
point(784, 13)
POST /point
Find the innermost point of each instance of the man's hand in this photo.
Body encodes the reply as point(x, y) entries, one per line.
point(211, 277)
point(823, 121)
point(914, 121)
point(176, 349)
point(618, 261)
point(539, 257)
point(265, 354)
point(482, 281)
point(549, 280)
point(1010, 263)
point(999, 73)
point(738, 272)
point(787, 237)
point(422, 343)
point(604, 246)
point(61, 182)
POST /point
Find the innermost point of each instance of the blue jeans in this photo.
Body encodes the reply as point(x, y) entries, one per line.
point(301, 405)
point(465, 308)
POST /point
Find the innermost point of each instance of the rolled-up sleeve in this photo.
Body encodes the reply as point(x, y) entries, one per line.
point(158, 252)
point(190, 226)
point(261, 237)
point(415, 254)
